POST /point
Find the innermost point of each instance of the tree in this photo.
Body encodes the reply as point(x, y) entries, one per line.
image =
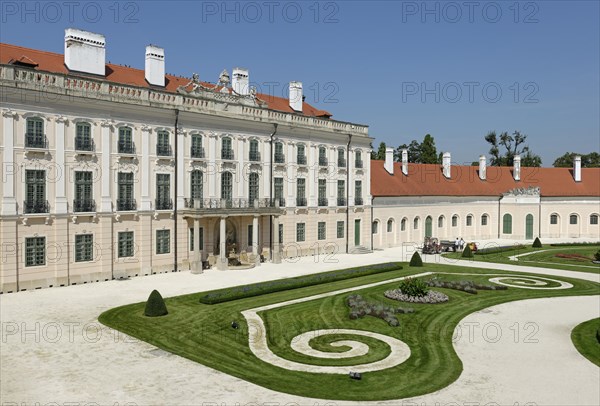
point(380, 154)
point(591, 160)
point(421, 153)
point(512, 145)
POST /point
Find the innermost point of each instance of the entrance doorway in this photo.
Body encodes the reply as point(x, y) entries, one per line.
point(356, 232)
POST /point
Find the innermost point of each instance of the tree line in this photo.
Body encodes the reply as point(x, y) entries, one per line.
point(503, 148)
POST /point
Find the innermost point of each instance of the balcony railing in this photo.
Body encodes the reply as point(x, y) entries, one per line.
point(322, 201)
point(163, 150)
point(281, 201)
point(279, 158)
point(322, 161)
point(358, 164)
point(163, 204)
point(358, 201)
point(227, 154)
point(126, 148)
point(36, 206)
point(36, 141)
point(197, 152)
point(301, 201)
point(341, 162)
point(84, 144)
point(84, 205)
point(341, 201)
point(301, 159)
point(191, 203)
point(254, 156)
point(126, 204)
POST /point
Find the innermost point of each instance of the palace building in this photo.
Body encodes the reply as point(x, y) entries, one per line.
point(110, 171)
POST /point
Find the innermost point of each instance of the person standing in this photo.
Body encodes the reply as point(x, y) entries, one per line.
point(461, 244)
point(456, 245)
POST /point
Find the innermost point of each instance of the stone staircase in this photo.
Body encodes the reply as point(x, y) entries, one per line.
point(360, 250)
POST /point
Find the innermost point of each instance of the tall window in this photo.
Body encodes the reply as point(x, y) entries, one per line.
point(484, 220)
point(278, 191)
point(280, 233)
point(197, 149)
point(594, 219)
point(125, 199)
point(322, 156)
point(253, 187)
point(163, 191)
point(254, 154)
point(35, 251)
point(454, 220)
point(192, 238)
point(358, 163)
point(507, 224)
point(84, 247)
point(196, 185)
point(341, 158)
point(163, 148)
point(163, 241)
point(226, 150)
point(321, 230)
point(300, 232)
point(84, 202)
point(322, 192)
point(390, 225)
point(375, 227)
point(35, 137)
point(250, 234)
point(440, 221)
point(279, 157)
point(416, 223)
point(403, 225)
point(126, 248)
point(554, 219)
point(301, 155)
point(125, 141)
point(340, 229)
point(226, 186)
point(358, 200)
point(341, 192)
point(469, 220)
point(83, 137)
point(573, 219)
point(300, 192)
point(35, 192)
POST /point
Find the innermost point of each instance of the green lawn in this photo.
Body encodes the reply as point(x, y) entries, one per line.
point(544, 257)
point(584, 338)
point(203, 334)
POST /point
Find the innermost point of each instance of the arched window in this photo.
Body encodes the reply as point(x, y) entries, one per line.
point(254, 154)
point(469, 220)
point(440, 221)
point(507, 224)
point(484, 220)
point(301, 154)
point(416, 223)
point(253, 187)
point(196, 185)
point(390, 225)
point(375, 227)
point(226, 150)
point(322, 156)
point(554, 219)
point(454, 220)
point(83, 137)
point(428, 226)
point(573, 219)
point(125, 145)
point(594, 219)
point(226, 186)
point(403, 225)
point(34, 136)
point(341, 158)
point(279, 157)
point(197, 151)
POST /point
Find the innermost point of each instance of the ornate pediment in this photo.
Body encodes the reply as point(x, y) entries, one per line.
point(220, 92)
point(524, 191)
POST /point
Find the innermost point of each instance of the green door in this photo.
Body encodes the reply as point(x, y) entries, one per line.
point(529, 227)
point(428, 226)
point(356, 232)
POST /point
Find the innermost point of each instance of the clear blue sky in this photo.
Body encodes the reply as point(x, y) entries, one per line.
point(404, 68)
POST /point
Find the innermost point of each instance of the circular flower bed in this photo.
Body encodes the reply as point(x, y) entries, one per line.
point(430, 297)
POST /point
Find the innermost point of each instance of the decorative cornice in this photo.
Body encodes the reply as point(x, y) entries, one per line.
point(9, 113)
point(61, 119)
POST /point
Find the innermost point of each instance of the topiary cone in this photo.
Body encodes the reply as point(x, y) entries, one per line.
point(467, 253)
point(416, 260)
point(155, 305)
point(537, 243)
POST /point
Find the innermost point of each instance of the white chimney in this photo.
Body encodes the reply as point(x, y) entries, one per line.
point(577, 168)
point(155, 65)
point(482, 167)
point(405, 162)
point(240, 81)
point(389, 160)
point(517, 168)
point(447, 165)
point(296, 96)
point(85, 51)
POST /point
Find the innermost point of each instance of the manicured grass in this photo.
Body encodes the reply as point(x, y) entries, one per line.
point(585, 340)
point(544, 257)
point(203, 334)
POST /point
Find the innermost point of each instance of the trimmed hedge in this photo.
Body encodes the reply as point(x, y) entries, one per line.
point(574, 244)
point(416, 260)
point(597, 255)
point(262, 288)
point(537, 243)
point(598, 335)
point(497, 250)
point(467, 253)
point(155, 306)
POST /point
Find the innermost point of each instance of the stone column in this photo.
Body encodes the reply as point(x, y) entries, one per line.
point(212, 175)
point(146, 203)
point(266, 158)
point(367, 178)
point(313, 175)
point(350, 185)
point(255, 253)
point(276, 257)
point(60, 206)
point(179, 191)
point(106, 202)
point(290, 184)
point(222, 261)
point(197, 261)
point(240, 175)
point(9, 167)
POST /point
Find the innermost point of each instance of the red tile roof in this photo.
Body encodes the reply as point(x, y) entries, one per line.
point(54, 63)
point(428, 180)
